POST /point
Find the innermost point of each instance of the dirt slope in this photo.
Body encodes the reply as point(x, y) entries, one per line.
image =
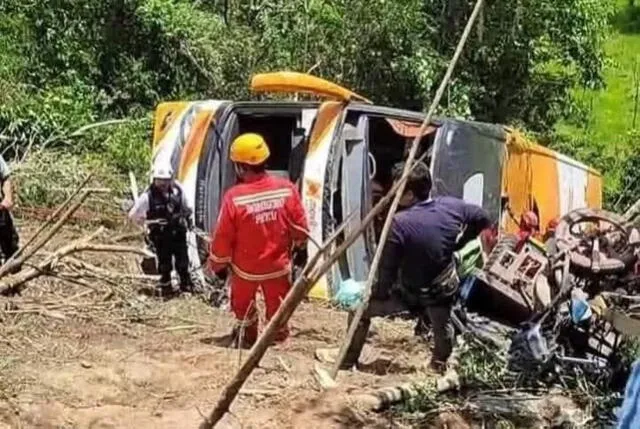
point(98, 355)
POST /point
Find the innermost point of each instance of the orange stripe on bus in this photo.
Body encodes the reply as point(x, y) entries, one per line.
point(594, 190)
point(195, 142)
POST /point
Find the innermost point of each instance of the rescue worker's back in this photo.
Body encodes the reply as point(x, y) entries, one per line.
point(260, 220)
point(254, 233)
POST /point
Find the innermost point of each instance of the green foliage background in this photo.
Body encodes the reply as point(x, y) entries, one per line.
point(530, 63)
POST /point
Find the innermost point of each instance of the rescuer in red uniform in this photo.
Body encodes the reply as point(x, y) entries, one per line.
point(260, 221)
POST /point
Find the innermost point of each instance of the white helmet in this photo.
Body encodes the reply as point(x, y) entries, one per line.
point(160, 172)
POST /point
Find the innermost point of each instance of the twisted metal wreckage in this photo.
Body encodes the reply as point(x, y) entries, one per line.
point(574, 303)
point(549, 312)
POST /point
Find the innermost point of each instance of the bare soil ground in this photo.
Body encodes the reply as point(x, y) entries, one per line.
point(92, 353)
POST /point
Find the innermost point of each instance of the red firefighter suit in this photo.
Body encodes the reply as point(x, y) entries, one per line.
point(254, 236)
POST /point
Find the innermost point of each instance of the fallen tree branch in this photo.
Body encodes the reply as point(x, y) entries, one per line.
point(632, 212)
point(114, 248)
point(11, 284)
point(98, 271)
point(14, 283)
point(80, 131)
point(127, 236)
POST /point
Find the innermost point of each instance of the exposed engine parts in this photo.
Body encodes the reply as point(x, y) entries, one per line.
point(574, 301)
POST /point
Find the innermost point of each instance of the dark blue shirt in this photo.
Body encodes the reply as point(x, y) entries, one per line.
point(423, 239)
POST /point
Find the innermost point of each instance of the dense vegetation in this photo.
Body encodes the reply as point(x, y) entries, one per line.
point(65, 64)
point(605, 130)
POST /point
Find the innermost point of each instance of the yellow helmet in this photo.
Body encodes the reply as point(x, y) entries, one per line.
point(249, 149)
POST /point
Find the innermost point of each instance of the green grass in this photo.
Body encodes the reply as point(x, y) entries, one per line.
point(610, 111)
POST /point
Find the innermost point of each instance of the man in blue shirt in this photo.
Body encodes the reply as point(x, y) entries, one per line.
point(423, 238)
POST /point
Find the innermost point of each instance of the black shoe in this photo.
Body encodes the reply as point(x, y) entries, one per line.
point(186, 282)
point(186, 287)
point(165, 293)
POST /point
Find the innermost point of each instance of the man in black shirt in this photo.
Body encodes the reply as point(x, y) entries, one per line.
point(421, 244)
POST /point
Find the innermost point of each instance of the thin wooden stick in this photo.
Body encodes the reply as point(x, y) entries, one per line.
point(8, 262)
point(632, 211)
point(305, 282)
point(112, 248)
point(102, 272)
point(398, 195)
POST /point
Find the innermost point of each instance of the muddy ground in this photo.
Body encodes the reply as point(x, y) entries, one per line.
point(91, 353)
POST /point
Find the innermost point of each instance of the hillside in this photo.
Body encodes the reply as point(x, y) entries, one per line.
point(66, 65)
point(605, 131)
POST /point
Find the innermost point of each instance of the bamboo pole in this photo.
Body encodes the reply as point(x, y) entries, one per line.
point(632, 212)
point(398, 195)
point(311, 275)
point(300, 289)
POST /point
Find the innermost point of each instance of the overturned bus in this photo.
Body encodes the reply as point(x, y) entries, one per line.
point(341, 150)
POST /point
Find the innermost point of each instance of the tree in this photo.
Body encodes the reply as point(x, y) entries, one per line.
point(77, 60)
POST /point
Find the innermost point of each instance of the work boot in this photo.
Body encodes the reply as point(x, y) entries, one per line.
point(438, 366)
point(243, 339)
point(186, 284)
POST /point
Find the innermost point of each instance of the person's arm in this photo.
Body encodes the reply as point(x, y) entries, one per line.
point(223, 239)
point(298, 219)
point(7, 191)
point(7, 185)
point(138, 213)
point(475, 220)
point(183, 197)
point(389, 264)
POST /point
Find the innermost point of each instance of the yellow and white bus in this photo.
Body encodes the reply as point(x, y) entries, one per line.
point(337, 148)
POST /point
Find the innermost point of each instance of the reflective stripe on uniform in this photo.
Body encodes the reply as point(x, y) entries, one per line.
point(220, 259)
point(260, 277)
point(262, 196)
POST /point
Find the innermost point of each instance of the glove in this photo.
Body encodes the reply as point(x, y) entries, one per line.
point(598, 305)
point(349, 294)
